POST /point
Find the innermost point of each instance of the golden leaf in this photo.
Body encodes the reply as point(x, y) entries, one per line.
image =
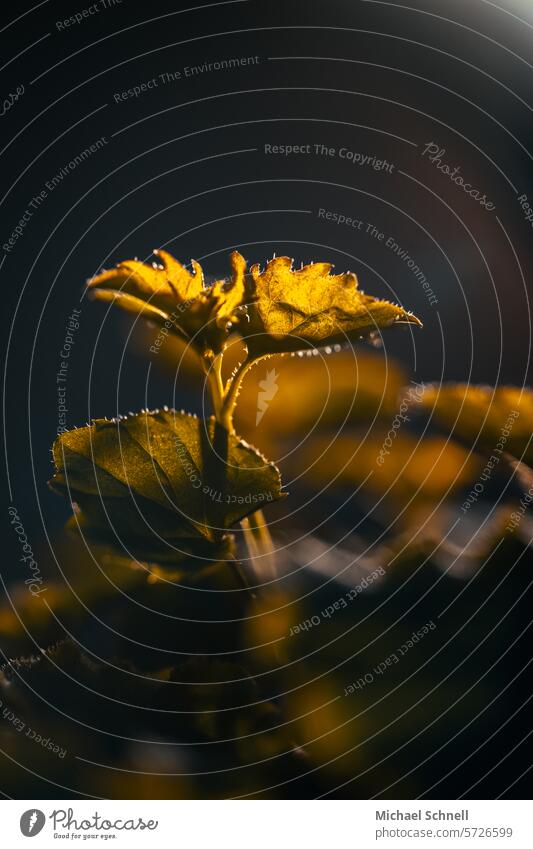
point(285, 310)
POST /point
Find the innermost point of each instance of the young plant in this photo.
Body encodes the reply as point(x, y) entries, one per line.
point(167, 485)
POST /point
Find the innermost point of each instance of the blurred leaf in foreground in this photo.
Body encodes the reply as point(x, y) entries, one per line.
point(486, 415)
point(320, 392)
point(299, 309)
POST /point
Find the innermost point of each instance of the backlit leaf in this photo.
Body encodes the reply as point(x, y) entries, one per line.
point(276, 310)
point(159, 479)
point(492, 418)
point(169, 294)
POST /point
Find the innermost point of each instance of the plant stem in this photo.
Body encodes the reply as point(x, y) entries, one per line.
point(217, 371)
point(263, 540)
point(224, 397)
point(213, 370)
point(259, 544)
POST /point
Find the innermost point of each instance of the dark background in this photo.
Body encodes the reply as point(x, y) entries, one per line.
point(137, 193)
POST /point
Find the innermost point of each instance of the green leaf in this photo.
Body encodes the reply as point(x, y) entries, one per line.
point(162, 479)
point(295, 310)
point(170, 294)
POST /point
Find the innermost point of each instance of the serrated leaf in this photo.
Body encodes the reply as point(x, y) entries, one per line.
point(486, 416)
point(308, 307)
point(162, 478)
point(170, 294)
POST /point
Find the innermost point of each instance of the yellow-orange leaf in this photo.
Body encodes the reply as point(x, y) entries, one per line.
point(309, 307)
